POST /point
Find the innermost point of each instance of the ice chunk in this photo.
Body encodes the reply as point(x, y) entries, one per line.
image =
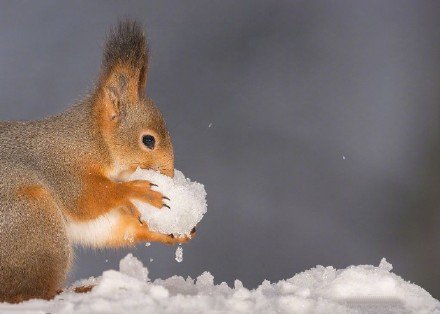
point(187, 203)
point(179, 254)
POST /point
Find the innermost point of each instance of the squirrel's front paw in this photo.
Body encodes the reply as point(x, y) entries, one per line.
point(132, 230)
point(171, 239)
point(141, 190)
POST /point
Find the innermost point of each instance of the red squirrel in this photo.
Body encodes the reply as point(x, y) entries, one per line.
point(63, 176)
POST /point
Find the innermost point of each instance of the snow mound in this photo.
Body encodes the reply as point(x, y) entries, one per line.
point(187, 203)
point(356, 289)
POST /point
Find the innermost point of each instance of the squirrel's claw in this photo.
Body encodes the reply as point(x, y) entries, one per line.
point(172, 239)
point(152, 184)
point(165, 205)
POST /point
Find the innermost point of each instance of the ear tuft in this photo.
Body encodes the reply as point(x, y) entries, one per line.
point(124, 68)
point(126, 45)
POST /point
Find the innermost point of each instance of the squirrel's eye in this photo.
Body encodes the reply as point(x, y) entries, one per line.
point(148, 141)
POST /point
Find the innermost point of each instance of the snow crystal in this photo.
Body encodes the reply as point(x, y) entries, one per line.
point(187, 203)
point(179, 254)
point(356, 289)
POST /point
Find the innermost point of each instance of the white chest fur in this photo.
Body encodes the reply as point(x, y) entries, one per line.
point(94, 233)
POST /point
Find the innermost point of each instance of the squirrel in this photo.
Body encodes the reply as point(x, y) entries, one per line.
point(63, 176)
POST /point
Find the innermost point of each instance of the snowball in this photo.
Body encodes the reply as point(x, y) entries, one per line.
point(187, 203)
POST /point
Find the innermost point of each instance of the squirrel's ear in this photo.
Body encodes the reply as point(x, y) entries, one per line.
point(124, 67)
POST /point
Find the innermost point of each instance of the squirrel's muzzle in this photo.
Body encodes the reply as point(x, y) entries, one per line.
point(168, 172)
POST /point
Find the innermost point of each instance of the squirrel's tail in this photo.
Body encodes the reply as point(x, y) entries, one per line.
point(126, 47)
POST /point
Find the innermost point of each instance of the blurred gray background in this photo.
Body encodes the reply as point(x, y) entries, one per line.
point(324, 145)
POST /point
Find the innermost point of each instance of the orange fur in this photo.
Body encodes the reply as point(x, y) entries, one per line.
point(130, 232)
point(32, 192)
point(100, 195)
point(83, 289)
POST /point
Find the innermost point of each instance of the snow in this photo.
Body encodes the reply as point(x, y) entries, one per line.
point(356, 289)
point(179, 254)
point(187, 203)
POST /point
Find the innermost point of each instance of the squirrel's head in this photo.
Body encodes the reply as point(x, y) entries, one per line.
point(133, 128)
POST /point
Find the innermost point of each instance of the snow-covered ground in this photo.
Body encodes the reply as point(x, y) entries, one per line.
point(356, 289)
